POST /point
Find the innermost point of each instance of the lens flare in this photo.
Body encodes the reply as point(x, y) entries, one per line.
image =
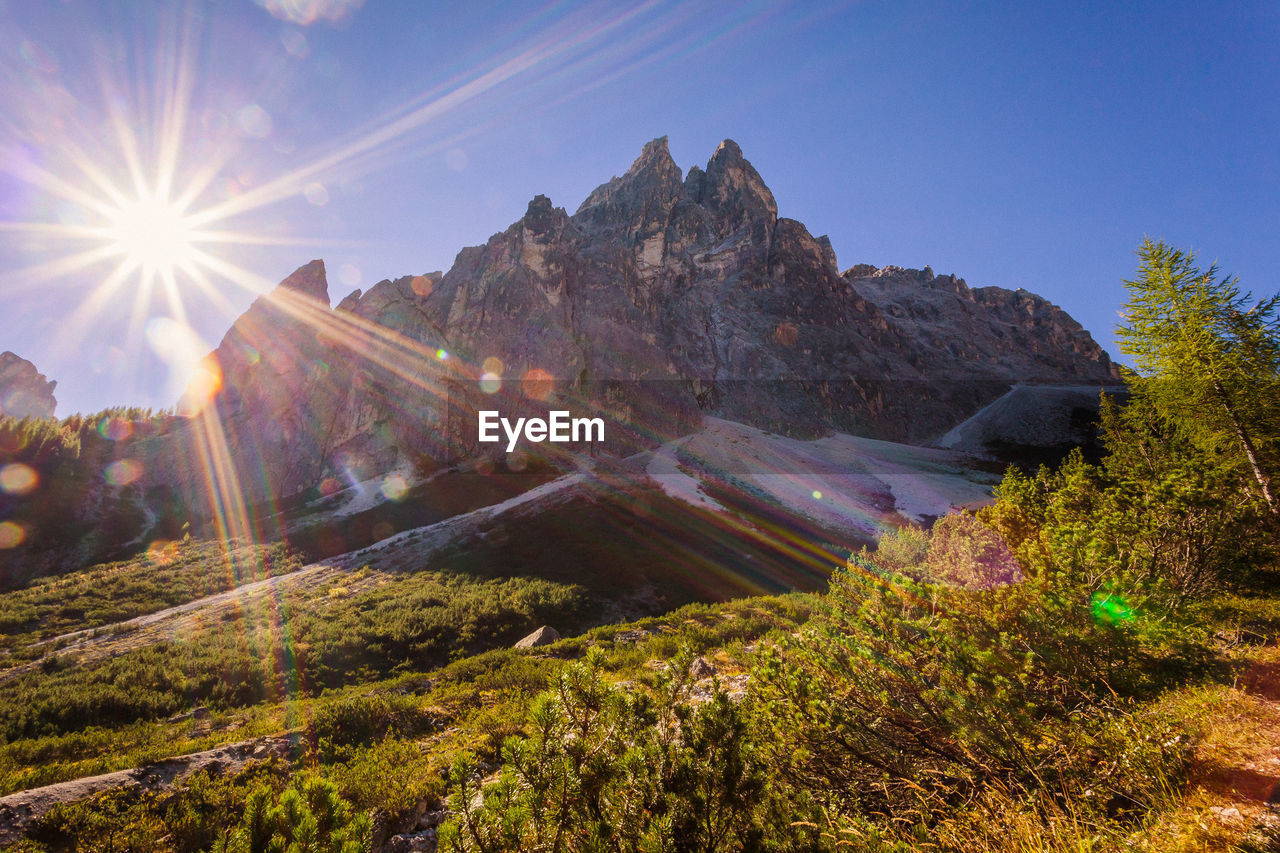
point(1110, 609)
point(115, 429)
point(11, 441)
point(12, 534)
point(162, 552)
point(306, 12)
point(395, 487)
point(537, 384)
point(122, 472)
point(18, 479)
point(205, 384)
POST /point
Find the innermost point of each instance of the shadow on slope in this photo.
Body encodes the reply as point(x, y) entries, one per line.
point(639, 551)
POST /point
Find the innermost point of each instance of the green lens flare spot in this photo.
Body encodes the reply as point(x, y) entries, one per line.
point(1110, 609)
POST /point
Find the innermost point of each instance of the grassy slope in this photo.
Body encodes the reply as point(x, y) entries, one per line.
point(401, 670)
point(115, 592)
point(386, 742)
point(71, 709)
point(409, 727)
point(1229, 724)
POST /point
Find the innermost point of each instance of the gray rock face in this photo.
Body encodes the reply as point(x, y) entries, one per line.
point(662, 298)
point(24, 391)
point(282, 390)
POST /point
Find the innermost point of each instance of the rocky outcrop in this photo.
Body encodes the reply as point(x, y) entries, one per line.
point(1007, 333)
point(662, 298)
point(24, 391)
point(544, 636)
point(282, 391)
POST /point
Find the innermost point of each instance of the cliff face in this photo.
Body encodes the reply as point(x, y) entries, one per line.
point(662, 297)
point(24, 391)
point(281, 387)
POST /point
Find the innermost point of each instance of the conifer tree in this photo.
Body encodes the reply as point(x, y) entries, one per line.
point(1208, 359)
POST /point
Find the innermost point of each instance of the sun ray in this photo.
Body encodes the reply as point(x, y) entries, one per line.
point(76, 325)
point(245, 238)
point(55, 229)
point(206, 286)
point(59, 267)
point(138, 315)
point(175, 106)
point(542, 53)
point(169, 282)
point(34, 175)
point(128, 148)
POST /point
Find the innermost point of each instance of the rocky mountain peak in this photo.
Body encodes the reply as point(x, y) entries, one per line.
point(269, 346)
point(24, 391)
point(663, 297)
point(828, 251)
point(350, 301)
point(641, 200)
point(728, 151)
point(734, 191)
point(655, 155)
point(541, 217)
point(308, 280)
point(278, 380)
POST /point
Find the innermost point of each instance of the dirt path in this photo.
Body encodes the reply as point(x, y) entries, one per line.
point(1234, 779)
point(71, 640)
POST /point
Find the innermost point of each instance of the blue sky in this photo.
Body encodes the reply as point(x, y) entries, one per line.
point(1020, 145)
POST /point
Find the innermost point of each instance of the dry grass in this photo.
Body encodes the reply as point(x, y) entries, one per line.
point(1220, 803)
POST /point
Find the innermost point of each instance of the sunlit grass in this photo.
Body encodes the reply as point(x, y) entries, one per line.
point(471, 697)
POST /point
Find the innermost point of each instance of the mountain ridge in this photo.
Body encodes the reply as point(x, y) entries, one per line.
point(664, 296)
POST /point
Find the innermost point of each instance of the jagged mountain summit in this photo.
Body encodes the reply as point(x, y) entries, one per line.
point(663, 297)
point(666, 298)
point(24, 390)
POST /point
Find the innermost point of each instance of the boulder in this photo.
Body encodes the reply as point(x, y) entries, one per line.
point(701, 668)
point(541, 637)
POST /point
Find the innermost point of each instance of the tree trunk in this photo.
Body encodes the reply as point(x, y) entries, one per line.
point(1264, 482)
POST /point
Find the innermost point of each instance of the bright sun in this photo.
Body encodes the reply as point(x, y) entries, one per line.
point(154, 235)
